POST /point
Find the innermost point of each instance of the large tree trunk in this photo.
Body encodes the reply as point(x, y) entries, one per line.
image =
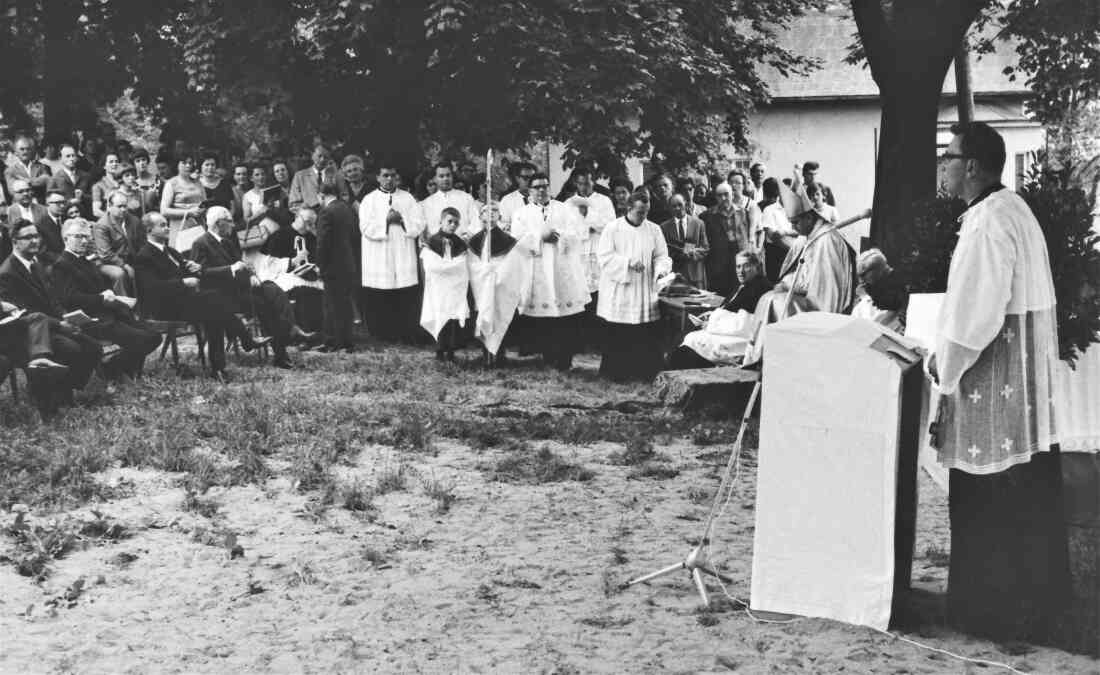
point(909, 45)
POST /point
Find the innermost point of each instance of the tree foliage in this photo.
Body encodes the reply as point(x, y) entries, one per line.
point(616, 78)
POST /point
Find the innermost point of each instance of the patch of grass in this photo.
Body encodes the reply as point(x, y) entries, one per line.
point(937, 556)
point(374, 556)
point(443, 493)
point(698, 495)
point(195, 502)
point(618, 555)
point(659, 469)
point(358, 497)
point(36, 545)
point(637, 450)
point(412, 430)
point(392, 479)
point(604, 622)
point(542, 466)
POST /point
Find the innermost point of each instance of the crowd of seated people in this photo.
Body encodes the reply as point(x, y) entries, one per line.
point(100, 238)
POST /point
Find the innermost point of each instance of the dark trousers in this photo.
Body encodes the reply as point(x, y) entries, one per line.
point(308, 303)
point(556, 338)
point(78, 351)
point(272, 307)
point(1009, 576)
point(686, 358)
point(134, 338)
point(339, 299)
point(449, 338)
point(32, 331)
point(392, 314)
point(215, 311)
point(632, 351)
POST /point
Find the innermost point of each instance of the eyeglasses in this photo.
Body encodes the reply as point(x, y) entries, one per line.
point(80, 235)
point(56, 202)
point(27, 237)
point(541, 186)
point(948, 156)
point(23, 190)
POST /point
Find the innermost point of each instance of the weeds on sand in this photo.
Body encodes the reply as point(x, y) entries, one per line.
point(443, 493)
point(412, 431)
point(658, 469)
point(698, 495)
point(542, 466)
point(36, 545)
point(937, 556)
point(357, 496)
point(637, 450)
point(195, 502)
point(376, 557)
point(392, 479)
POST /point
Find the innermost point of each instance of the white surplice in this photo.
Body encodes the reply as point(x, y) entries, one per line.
point(996, 343)
point(389, 252)
point(468, 211)
point(557, 283)
point(498, 284)
point(598, 213)
point(626, 295)
point(446, 280)
point(510, 204)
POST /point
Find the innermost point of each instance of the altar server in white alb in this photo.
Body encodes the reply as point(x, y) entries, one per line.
point(445, 308)
point(391, 221)
point(595, 211)
point(995, 352)
point(549, 234)
point(446, 196)
point(632, 255)
point(497, 282)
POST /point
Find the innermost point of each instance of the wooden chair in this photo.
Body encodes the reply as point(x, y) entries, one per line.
point(172, 331)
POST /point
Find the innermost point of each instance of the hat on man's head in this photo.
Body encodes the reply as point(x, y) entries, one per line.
point(216, 213)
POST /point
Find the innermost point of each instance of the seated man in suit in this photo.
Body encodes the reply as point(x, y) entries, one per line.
point(49, 225)
point(79, 285)
point(24, 284)
point(219, 253)
point(170, 289)
point(117, 236)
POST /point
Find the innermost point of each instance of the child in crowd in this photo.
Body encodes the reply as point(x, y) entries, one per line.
point(446, 280)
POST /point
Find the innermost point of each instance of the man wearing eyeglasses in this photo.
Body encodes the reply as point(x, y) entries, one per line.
point(521, 174)
point(550, 233)
point(24, 284)
point(80, 286)
point(994, 360)
point(49, 226)
point(24, 207)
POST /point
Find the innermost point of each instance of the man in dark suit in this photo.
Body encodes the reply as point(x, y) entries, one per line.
point(169, 288)
point(79, 285)
point(24, 207)
point(338, 242)
point(219, 253)
point(117, 236)
point(49, 225)
point(70, 181)
point(23, 283)
point(686, 237)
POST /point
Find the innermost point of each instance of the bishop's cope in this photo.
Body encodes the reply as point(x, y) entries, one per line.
point(993, 364)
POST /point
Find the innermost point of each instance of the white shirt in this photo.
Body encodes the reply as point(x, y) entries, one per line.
point(433, 206)
point(389, 252)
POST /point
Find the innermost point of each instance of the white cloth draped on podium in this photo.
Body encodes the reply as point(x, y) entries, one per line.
point(827, 475)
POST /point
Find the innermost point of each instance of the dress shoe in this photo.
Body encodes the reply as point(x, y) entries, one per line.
point(325, 349)
point(249, 343)
point(46, 364)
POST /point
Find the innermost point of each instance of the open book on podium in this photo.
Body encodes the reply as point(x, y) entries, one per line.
point(837, 465)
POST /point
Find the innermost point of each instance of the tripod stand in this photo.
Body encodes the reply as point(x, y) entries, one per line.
point(697, 562)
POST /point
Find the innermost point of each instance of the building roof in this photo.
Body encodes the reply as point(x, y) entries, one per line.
point(826, 36)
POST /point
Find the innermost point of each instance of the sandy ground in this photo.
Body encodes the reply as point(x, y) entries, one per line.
point(514, 578)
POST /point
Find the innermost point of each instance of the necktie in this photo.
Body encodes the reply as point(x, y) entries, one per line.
point(683, 234)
